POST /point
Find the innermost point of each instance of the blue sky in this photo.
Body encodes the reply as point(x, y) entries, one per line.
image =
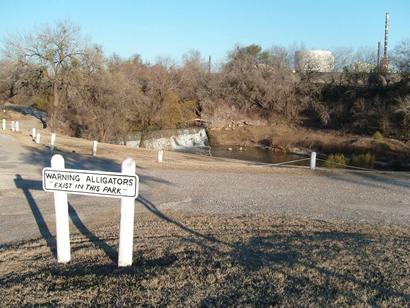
point(171, 28)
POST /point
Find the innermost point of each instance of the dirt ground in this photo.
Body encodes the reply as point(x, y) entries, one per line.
point(217, 261)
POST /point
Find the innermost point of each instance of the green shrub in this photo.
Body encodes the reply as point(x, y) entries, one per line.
point(335, 161)
point(40, 104)
point(363, 160)
point(378, 136)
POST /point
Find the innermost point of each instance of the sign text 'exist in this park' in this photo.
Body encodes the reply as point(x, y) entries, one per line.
point(86, 182)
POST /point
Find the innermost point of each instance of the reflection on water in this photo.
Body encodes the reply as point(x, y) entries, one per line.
point(257, 155)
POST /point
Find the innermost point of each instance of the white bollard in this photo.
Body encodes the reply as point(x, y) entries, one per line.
point(17, 126)
point(52, 141)
point(12, 126)
point(313, 161)
point(38, 138)
point(4, 124)
point(61, 209)
point(160, 156)
point(127, 221)
point(95, 144)
point(33, 133)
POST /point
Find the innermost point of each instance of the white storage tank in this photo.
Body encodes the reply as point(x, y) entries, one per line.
point(314, 60)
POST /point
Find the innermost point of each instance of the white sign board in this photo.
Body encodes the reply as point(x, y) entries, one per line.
point(94, 183)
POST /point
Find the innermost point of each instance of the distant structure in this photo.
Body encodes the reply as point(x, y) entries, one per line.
point(378, 55)
point(385, 64)
point(314, 60)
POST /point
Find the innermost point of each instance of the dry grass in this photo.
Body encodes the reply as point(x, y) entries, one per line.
point(218, 261)
point(285, 138)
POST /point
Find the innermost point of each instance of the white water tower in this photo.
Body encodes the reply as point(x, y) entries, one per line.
point(314, 60)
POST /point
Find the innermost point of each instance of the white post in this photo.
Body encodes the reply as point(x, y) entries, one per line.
point(52, 141)
point(313, 161)
point(17, 126)
point(127, 220)
point(4, 124)
point(33, 133)
point(95, 144)
point(12, 126)
point(38, 138)
point(160, 156)
point(61, 209)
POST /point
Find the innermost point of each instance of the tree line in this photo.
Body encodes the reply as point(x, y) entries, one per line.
point(90, 95)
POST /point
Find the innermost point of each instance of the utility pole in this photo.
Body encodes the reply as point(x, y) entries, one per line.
point(378, 55)
point(386, 44)
point(209, 65)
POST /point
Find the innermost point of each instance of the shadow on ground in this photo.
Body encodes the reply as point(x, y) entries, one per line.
point(42, 157)
point(295, 250)
point(380, 180)
point(26, 186)
point(220, 261)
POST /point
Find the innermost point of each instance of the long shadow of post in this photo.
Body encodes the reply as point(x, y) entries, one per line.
point(98, 242)
point(26, 186)
point(153, 209)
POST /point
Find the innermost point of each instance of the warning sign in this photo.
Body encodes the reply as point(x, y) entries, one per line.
point(86, 182)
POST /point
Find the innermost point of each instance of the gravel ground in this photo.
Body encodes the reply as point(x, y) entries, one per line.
point(324, 195)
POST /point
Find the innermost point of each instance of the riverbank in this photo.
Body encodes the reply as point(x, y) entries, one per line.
point(282, 139)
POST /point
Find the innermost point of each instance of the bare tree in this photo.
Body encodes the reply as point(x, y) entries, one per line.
point(401, 56)
point(57, 51)
point(259, 81)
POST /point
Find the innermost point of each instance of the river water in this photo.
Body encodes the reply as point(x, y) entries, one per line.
point(257, 155)
point(267, 156)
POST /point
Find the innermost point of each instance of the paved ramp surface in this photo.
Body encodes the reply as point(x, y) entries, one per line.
point(28, 212)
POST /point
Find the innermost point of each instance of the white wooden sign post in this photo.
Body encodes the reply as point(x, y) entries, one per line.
point(38, 137)
point(52, 141)
point(122, 185)
point(313, 161)
point(12, 126)
point(17, 126)
point(95, 144)
point(127, 220)
point(160, 156)
point(4, 124)
point(33, 133)
point(61, 209)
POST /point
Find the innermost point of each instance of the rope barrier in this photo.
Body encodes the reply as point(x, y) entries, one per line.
point(282, 163)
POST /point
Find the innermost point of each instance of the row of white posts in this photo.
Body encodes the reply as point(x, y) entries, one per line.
point(160, 153)
point(15, 126)
point(37, 138)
